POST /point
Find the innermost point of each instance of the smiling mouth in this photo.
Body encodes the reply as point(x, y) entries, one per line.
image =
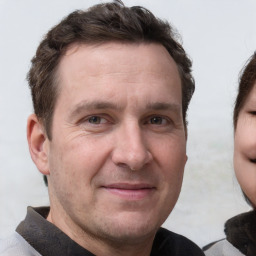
point(130, 191)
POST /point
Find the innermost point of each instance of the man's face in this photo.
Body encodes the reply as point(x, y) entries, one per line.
point(118, 149)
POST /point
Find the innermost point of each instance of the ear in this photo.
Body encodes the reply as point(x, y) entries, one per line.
point(38, 144)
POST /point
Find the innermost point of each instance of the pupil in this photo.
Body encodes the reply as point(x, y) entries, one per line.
point(156, 120)
point(94, 119)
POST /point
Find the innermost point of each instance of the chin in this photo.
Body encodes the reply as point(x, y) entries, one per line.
point(130, 236)
point(131, 229)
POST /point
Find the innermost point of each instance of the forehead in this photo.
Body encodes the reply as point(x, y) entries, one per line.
point(108, 67)
point(247, 99)
point(246, 102)
point(251, 97)
point(116, 57)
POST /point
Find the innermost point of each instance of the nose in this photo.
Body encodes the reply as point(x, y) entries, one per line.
point(131, 150)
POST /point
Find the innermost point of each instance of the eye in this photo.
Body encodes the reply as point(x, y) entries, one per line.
point(158, 120)
point(252, 113)
point(96, 120)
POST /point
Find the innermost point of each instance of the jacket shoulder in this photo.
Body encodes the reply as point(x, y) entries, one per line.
point(221, 248)
point(16, 245)
point(170, 243)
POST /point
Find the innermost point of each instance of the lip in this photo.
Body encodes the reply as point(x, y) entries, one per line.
point(130, 191)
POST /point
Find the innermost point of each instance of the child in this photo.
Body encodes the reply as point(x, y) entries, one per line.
point(241, 230)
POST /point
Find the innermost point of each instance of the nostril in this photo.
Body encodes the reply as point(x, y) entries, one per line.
point(132, 160)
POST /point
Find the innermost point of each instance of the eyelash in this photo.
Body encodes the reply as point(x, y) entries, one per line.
point(252, 113)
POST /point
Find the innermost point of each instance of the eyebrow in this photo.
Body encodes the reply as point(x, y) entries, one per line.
point(164, 106)
point(98, 105)
point(86, 105)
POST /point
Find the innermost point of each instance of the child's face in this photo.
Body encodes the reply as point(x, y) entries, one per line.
point(245, 147)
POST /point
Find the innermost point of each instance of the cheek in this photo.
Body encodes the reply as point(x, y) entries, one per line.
point(172, 153)
point(245, 138)
point(245, 172)
point(244, 151)
point(248, 185)
point(74, 164)
point(172, 158)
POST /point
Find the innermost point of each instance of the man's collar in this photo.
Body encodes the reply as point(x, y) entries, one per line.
point(46, 238)
point(49, 240)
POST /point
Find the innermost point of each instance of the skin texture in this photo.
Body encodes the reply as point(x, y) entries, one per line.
point(116, 160)
point(245, 147)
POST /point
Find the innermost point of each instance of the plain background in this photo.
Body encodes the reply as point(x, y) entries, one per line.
point(218, 35)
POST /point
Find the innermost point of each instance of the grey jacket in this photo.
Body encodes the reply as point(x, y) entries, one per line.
point(223, 248)
point(240, 237)
point(16, 245)
point(35, 236)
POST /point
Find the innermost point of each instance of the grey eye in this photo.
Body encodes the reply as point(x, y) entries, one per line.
point(156, 120)
point(94, 120)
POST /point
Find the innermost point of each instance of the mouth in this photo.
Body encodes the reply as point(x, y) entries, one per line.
point(130, 191)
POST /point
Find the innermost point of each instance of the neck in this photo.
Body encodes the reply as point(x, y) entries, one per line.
point(100, 246)
point(104, 248)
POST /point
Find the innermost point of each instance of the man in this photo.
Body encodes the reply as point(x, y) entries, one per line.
point(110, 88)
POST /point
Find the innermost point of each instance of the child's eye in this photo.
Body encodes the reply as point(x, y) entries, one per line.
point(252, 113)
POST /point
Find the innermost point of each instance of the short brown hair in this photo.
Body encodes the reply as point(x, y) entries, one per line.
point(246, 83)
point(99, 24)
